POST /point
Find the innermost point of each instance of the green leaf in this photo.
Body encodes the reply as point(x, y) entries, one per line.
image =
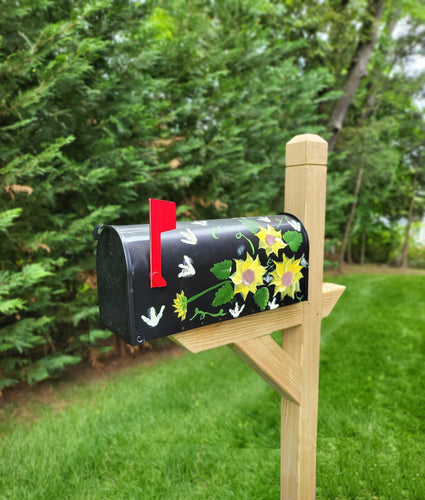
point(293, 239)
point(86, 313)
point(223, 295)
point(222, 269)
point(11, 306)
point(37, 374)
point(6, 382)
point(33, 273)
point(6, 217)
point(251, 225)
point(95, 335)
point(261, 297)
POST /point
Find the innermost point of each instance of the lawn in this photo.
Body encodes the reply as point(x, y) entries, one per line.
point(206, 426)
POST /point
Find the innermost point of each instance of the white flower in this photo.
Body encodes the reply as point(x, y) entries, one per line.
point(187, 268)
point(295, 224)
point(265, 219)
point(267, 278)
point(200, 222)
point(153, 318)
point(273, 305)
point(188, 237)
point(237, 310)
point(240, 250)
point(304, 262)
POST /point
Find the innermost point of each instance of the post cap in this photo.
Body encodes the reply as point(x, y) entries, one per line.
point(306, 149)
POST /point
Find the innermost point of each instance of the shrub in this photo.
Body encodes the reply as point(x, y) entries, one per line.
point(105, 103)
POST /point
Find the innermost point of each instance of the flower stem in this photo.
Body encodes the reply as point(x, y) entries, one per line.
point(205, 291)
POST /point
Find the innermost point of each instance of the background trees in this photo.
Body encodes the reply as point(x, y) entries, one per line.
point(105, 103)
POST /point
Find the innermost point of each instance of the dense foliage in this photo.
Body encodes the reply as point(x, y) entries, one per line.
point(105, 103)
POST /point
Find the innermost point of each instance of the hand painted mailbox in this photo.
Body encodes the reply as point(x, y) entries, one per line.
point(206, 272)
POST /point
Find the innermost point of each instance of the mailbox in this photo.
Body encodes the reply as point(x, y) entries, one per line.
point(210, 271)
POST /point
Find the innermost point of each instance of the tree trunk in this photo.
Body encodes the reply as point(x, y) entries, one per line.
point(349, 251)
point(378, 78)
point(404, 260)
point(350, 218)
point(357, 70)
point(363, 248)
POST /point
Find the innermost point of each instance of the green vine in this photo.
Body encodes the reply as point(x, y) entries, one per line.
point(240, 235)
point(203, 314)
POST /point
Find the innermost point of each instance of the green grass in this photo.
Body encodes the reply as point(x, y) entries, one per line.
point(206, 426)
point(372, 400)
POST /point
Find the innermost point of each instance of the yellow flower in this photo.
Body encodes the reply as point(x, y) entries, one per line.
point(248, 275)
point(270, 240)
point(286, 277)
point(180, 305)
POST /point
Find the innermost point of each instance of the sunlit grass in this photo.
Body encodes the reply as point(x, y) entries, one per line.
point(206, 426)
point(372, 400)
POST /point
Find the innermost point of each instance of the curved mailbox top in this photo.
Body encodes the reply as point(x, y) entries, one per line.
point(215, 270)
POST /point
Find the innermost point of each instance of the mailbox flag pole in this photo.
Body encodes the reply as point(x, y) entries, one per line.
point(162, 217)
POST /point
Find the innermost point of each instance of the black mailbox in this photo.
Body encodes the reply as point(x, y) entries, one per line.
point(215, 270)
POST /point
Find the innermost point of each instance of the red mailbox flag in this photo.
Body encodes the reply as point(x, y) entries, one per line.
point(162, 217)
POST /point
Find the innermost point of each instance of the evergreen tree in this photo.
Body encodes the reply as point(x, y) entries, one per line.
point(105, 103)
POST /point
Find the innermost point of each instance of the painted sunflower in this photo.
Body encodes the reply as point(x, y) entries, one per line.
point(248, 276)
point(180, 305)
point(270, 240)
point(286, 277)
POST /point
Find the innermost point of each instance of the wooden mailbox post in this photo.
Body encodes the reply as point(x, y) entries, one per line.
point(134, 299)
point(293, 368)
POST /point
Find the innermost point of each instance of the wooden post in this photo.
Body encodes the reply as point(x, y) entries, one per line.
point(305, 197)
point(293, 369)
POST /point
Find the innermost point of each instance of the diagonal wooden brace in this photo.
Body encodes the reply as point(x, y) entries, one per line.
point(272, 363)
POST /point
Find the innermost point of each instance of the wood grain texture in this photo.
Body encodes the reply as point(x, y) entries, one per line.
point(272, 363)
point(240, 329)
point(305, 197)
point(306, 149)
point(330, 296)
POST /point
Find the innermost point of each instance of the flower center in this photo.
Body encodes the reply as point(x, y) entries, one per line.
point(248, 277)
point(270, 240)
point(287, 279)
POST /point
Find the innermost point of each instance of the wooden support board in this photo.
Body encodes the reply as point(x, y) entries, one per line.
point(293, 368)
